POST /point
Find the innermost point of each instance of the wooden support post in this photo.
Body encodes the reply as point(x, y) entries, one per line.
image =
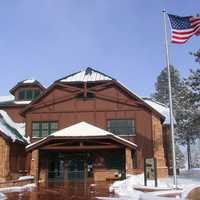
point(35, 165)
point(129, 161)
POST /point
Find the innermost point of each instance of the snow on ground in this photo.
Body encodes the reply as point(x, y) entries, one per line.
point(25, 177)
point(124, 190)
point(28, 187)
point(125, 187)
point(2, 196)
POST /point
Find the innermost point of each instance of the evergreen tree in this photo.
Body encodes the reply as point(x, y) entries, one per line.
point(186, 131)
point(161, 86)
point(197, 56)
point(183, 106)
point(180, 158)
point(193, 81)
point(195, 155)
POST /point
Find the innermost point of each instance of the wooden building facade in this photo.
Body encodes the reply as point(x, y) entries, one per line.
point(124, 128)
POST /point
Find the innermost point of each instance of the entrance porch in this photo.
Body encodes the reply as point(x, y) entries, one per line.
point(69, 157)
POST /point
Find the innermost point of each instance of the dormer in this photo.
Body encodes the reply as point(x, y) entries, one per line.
point(27, 90)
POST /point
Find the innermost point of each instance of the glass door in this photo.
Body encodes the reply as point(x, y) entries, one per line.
point(56, 170)
point(75, 170)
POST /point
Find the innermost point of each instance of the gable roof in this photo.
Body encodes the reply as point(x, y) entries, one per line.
point(87, 75)
point(92, 75)
point(10, 129)
point(82, 130)
point(27, 82)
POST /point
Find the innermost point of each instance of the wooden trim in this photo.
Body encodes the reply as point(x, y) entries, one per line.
point(83, 147)
point(132, 95)
point(81, 111)
point(51, 138)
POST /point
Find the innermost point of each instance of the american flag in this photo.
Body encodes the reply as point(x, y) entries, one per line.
point(184, 28)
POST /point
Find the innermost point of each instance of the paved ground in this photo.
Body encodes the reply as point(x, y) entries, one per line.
point(63, 191)
point(82, 191)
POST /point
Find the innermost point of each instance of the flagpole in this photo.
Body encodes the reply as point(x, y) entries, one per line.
point(170, 101)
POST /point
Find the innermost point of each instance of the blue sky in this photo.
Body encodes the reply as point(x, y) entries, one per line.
point(49, 39)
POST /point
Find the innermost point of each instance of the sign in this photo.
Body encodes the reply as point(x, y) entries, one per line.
point(150, 170)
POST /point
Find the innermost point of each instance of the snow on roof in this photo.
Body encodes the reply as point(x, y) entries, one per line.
point(6, 98)
point(161, 108)
point(22, 102)
point(29, 81)
point(10, 100)
point(87, 75)
point(11, 129)
point(82, 129)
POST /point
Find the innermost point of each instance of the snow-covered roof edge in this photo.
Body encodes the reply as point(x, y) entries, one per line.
point(14, 131)
point(6, 98)
point(160, 107)
point(86, 75)
point(99, 132)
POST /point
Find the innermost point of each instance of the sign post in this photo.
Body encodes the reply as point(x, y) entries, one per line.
point(150, 170)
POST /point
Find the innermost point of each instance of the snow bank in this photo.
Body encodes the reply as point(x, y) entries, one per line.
point(2, 196)
point(28, 187)
point(25, 177)
point(125, 188)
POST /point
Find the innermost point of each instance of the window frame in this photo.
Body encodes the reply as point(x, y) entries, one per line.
point(40, 129)
point(126, 135)
point(29, 94)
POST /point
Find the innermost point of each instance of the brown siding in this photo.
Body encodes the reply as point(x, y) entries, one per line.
point(96, 111)
point(4, 157)
point(17, 158)
point(158, 147)
point(14, 113)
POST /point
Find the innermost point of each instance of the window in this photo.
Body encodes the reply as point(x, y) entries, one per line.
point(43, 129)
point(121, 126)
point(29, 94)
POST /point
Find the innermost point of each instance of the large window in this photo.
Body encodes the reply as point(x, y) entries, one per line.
point(43, 129)
point(121, 126)
point(29, 94)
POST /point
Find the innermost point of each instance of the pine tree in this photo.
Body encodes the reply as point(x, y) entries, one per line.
point(183, 106)
point(197, 56)
point(195, 155)
point(193, 81)
point(161, 86)
point(186, 131)
point(180, 158)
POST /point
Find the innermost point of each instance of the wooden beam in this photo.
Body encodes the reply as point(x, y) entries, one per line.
point(85, 89)
point(85, 147)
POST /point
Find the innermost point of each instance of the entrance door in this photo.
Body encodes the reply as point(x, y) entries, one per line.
point(75, 170)
point(68, 170)
point(56, 170)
